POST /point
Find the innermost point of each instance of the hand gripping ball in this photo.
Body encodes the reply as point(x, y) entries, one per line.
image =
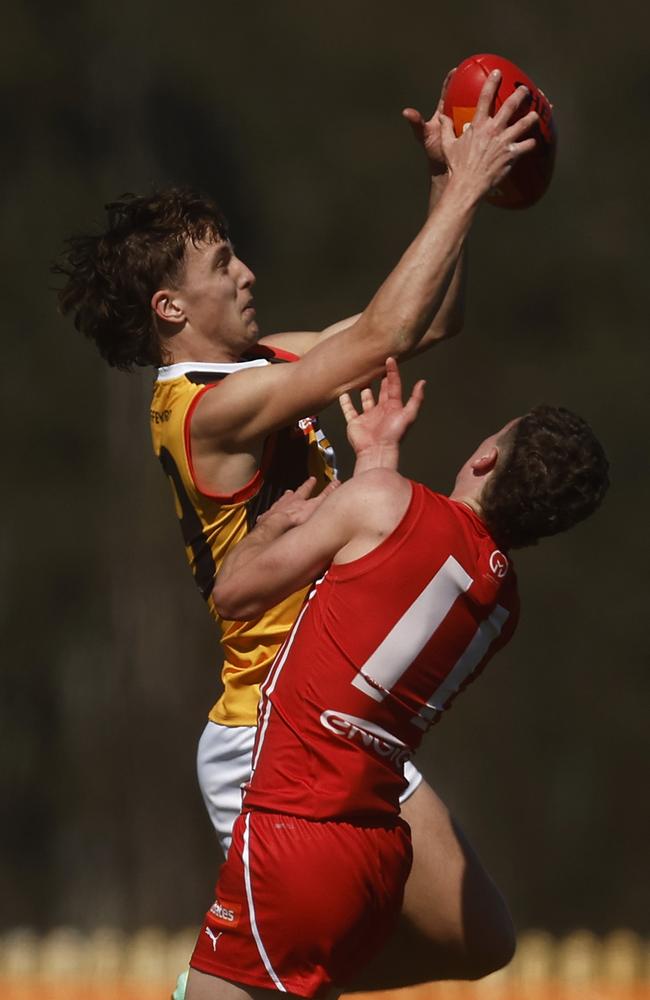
point(531, 175)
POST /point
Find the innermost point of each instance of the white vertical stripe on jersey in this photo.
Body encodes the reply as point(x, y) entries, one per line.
point(269, 685)
point(410, 635)
point(251, 908)
point(486, 633)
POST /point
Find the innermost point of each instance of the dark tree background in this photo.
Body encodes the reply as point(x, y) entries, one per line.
point(289, 114)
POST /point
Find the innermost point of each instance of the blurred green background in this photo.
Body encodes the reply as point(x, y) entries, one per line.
point(289, 113)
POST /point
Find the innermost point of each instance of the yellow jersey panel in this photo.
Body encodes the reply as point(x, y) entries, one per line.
point(211, 524)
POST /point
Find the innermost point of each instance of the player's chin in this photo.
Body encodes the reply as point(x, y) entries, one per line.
point(250, 319)
point(250, 335)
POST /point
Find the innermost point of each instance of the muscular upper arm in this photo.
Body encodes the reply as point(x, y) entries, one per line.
point(249, 404)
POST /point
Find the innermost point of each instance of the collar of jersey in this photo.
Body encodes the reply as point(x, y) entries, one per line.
point(169, 372)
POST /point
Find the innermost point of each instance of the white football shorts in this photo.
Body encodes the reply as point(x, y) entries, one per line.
point(223, 765)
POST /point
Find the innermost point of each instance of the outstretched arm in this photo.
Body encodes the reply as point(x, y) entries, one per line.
point(249, 405)
point(448, 321)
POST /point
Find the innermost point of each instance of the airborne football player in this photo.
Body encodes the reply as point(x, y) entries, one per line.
point(415, 592)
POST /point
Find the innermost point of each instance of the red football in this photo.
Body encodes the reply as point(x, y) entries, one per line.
point(531, 175)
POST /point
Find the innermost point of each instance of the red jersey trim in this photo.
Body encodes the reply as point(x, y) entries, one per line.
point(253, 485)
point(247, 491)
point(268, 350)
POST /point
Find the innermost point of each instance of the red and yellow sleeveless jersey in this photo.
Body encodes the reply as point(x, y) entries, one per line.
point(212, 523)
point(381, 648)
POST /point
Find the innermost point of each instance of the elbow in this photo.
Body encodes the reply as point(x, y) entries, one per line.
point(387, 331)
point(231, 606)
point(451, 327)
point(454, 327)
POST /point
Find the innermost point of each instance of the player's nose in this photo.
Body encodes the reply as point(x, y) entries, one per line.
point(246, 277)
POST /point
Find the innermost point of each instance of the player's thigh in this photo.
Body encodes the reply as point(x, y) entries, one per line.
point(449, 896)
point(454, 922)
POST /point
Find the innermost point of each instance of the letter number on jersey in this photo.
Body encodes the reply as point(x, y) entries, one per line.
point(406, 640)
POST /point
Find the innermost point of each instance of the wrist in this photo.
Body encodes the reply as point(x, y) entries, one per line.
point(438, 184)
point(462, 192)
point(380, 456)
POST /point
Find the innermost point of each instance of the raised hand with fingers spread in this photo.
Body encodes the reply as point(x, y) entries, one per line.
point(375, 432)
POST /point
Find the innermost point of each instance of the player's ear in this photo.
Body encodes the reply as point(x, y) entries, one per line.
point(166, 306)
point(485, 461)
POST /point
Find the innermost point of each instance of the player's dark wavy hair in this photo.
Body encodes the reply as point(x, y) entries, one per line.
point(555, 473)
point(112, 276)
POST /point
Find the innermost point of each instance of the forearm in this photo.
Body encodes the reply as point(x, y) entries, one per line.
point(449, 319)
point(427, 277)
point(279, 558)
point(243, 555)
point(437, 187)
point(249, 579)
point(438, 183)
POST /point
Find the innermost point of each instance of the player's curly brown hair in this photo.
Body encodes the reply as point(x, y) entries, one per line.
point(554, 474)
point(112, 276)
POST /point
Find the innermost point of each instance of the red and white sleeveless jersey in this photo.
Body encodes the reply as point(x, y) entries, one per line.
point(382, 646)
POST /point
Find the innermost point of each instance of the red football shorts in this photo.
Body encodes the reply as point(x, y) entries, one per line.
point(303, 905)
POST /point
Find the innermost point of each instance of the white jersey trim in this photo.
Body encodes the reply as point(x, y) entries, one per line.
point(268, 686)
point(169, 372)
point(251, 909)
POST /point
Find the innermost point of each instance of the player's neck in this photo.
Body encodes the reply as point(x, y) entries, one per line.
point(468, 499)
point(187, 346)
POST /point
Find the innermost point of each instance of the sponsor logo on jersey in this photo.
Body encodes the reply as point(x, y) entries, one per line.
point(160, 416)
point(366, 734)
point(499, 564)
point(225, 914)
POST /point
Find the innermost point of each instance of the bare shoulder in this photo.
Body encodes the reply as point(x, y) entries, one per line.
point(376, 501)
point(383, 484)
point(384, 493)
point(375, 498)
point(223, 411)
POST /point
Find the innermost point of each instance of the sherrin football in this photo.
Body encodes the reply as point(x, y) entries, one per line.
point(531, 175)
